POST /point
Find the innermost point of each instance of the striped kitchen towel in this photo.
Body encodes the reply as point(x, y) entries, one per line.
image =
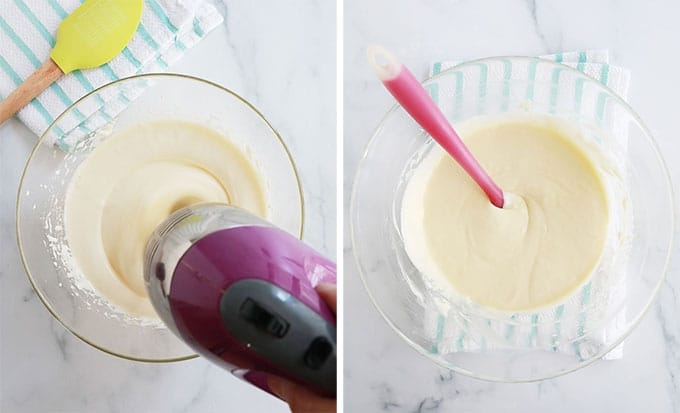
point(27, 34)
point(455, 332)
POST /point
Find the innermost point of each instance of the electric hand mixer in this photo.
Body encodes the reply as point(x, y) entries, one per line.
point(240, 292)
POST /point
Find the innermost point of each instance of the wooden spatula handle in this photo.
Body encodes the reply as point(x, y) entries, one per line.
point(40, 80)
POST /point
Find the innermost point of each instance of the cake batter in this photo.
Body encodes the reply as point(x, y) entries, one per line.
point(131, 182)
point(544, 242)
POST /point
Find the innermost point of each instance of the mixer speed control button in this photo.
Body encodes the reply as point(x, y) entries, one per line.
point(263, 319)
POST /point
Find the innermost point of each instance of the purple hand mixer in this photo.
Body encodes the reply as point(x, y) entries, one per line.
point(240, 292)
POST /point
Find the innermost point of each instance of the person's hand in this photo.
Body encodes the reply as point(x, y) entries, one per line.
point(299, 398)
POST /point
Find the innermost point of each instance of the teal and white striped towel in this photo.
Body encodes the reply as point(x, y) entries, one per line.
point(27, 34)
point(451, 333)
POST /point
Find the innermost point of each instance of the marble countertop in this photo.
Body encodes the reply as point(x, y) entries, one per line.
point(383, 373)
point(280, 58)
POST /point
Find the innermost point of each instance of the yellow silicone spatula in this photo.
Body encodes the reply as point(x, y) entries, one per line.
point(92, 35)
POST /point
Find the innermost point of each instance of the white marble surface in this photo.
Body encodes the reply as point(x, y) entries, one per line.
point(382, 373)
point(282, 59)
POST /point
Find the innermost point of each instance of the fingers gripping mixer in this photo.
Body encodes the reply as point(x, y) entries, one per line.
point(240, 292)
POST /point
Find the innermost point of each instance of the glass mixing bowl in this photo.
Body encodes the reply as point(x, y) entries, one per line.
point(520, 346)
point(40, 207)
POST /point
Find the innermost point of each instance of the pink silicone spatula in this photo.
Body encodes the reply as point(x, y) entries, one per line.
point(418, 103)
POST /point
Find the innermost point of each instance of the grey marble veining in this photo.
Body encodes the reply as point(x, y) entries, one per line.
point(281, 58)
point(382, 373)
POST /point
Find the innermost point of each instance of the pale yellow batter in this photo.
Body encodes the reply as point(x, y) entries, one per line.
point(536, 250)
point(131, 182)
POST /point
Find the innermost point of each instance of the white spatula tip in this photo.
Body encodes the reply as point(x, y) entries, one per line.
point(384, 64)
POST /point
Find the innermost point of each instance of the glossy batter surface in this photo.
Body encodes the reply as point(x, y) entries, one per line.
point(134, 180)
point(539, 248)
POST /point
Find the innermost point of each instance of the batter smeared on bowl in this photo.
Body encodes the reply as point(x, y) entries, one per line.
point(540, 247)
point(134, 180)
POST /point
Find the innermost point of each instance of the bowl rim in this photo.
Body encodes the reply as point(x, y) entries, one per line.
point(363, 272)
point(39, 142)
